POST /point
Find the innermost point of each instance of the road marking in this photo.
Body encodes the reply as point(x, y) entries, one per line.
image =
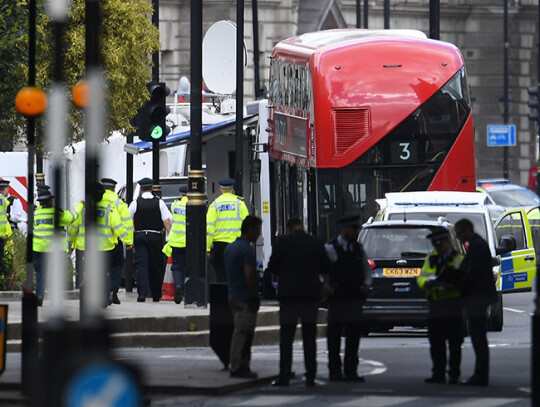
point(477, 402)
point(371, 367)
point(514, 310)
point(376, 401)
point(263, 401)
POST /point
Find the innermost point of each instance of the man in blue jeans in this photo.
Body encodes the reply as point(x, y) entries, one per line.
point(240, 265)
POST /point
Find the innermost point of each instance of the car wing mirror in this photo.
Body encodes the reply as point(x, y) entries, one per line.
point(506, 244)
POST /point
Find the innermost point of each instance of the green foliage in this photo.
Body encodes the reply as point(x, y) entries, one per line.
point(14, 262)
point(127, 40)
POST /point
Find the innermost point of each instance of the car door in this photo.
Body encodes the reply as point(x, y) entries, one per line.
point(518, 267)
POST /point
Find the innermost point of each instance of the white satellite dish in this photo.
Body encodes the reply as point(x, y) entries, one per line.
point(219, 57)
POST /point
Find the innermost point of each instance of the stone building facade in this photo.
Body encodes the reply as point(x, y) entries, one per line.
point(475, 26)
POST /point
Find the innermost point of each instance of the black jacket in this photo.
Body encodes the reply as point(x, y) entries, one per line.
point(299, 259)
point(477, 285)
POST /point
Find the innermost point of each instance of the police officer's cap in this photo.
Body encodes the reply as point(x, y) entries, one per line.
point(349, 220)
point(146, 182)
point(41, 187)
point(44, 196)
point(438, 236)
point(226, 182)
point(108, 182)
point(4, 183)
point(183, 189)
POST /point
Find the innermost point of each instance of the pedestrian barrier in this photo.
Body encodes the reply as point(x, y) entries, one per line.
point(168, 283)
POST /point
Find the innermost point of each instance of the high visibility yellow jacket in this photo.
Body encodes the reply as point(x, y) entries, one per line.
point(109, 228)
point(177, 234)
point(224, 219)
point(44, 227)
point(123, 210)
point(5, 227)
point(429, 270)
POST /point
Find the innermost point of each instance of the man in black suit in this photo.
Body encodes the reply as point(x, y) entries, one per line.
point(478, 288)
point(300, 262)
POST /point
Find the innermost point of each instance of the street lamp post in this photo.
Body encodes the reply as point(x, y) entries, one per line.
point(505, 75)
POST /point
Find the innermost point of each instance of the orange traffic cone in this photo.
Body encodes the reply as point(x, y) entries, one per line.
point(168, 283)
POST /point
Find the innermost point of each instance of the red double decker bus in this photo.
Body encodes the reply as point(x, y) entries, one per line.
point(358, 113)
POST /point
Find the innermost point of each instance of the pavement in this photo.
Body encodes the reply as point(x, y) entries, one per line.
point(135, 329)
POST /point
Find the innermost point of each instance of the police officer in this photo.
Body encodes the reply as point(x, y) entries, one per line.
point(43, 233)
point(150, 215)
point(118, 252)
point(478, 290)
point(441, 270)
point(177, 240)
point(110, 229)
point(5, 228)
point(349, 280)
point(223, 223)
point(15, 211)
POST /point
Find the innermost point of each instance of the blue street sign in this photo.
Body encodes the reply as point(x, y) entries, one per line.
point(501, 135)
point(104, 385)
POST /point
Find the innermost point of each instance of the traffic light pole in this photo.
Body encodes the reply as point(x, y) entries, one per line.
point(505, 79)
point(196, 281)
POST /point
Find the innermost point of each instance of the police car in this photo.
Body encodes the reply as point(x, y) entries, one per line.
point(396, 250)
point(514, 270)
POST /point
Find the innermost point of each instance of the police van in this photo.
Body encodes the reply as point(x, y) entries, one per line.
point(514, 270)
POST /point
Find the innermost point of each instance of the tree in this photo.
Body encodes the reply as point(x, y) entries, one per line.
point(127, 40)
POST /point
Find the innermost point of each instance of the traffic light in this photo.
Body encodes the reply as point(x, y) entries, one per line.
point(151, 117)
point(533, 103)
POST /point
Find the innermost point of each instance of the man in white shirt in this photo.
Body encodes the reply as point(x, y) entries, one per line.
point(15, 212)
point(150, 215)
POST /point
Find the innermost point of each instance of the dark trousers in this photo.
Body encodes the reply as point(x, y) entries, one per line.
point(289, 313)
point(477, 317)
point(178, 265)
point(245, 320)
point(344, 316)
point(40, 265)
point(115, 274)
point(2, 244)
point(217, 260)
point(440, 330)
point(79, 268)
point(149, 264)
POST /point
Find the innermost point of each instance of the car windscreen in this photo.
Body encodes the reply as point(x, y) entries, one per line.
point(514, 197)
point(387, 243)
point(477, 219)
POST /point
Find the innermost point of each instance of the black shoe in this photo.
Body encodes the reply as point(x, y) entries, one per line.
point(354, 378)
point(39, 301)
point(141, 299)
point(435, 379)
point(453, 380)
point(156, 299)
point(336, 377)
point(114, 298)
point(178, 294)
point(475, 381)
point(310, 383)
point(280, 383)
point(244, 374)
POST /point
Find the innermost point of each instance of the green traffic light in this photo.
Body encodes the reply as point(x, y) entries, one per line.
point(157, 132)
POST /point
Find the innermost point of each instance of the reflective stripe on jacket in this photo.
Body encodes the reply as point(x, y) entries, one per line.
point(177, 234)
point(5, 227)
point(429, 270)
point(44, 228)
point(109, 226)
point(123, 210)
point(224, 219)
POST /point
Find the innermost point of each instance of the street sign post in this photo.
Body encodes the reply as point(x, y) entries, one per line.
point(501, 135)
